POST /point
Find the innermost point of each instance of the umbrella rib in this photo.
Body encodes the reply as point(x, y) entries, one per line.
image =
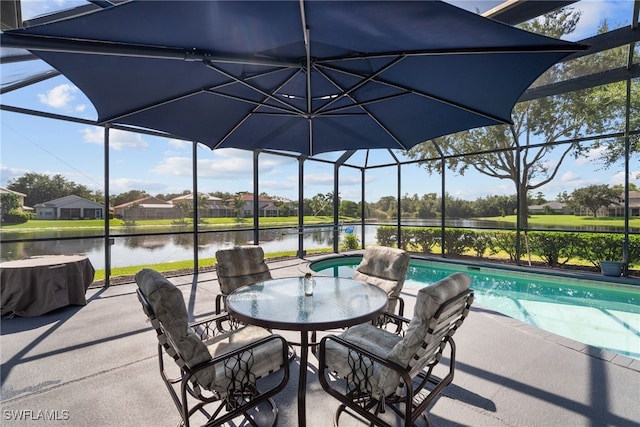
point(424, 94)
point(307, 47)
point(254, 88)
point(283, 111)
point(245, 118)
point(100, 47)
point(151, 106)
point(214, 90)
point(365, 80)
point(463, 51)
point(186, 95)
point(363, 108)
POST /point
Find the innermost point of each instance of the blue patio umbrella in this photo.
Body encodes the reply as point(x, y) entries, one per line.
point(300, 76)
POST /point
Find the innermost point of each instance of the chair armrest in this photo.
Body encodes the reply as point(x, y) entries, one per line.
point(236, 359)
point(359, 350)
point(395, 318)
point(238, 388)
point(401, 323)
point(211, 326)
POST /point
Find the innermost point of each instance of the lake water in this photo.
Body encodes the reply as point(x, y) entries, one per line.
point(137, 250)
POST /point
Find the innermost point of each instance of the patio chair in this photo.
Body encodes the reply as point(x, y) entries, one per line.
point(386, 268)
point(369, 369)
point(237, 267)
point(219, 373)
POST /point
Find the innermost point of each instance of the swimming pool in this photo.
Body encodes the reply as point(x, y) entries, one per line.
point(596, 313)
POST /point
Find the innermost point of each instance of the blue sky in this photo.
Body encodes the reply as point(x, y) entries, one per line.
point(159, 165)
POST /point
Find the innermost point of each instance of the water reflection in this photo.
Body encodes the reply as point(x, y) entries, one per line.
point(129, 250)
point(158, 248)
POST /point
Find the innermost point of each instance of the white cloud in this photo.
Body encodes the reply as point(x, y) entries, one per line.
point(318, 179)
point(568, 177)
point(618, 178)
point(118, 139)
point(616, 12)
point(122, 185)
point(592, 155)
point(176, 166)
point(9, 173)
point(179, 143)
point(58, 97)
point(288, 185)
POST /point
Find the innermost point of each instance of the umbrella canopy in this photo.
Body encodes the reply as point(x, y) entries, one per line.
point(307, 77)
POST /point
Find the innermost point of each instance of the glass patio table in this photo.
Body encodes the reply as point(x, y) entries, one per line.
point(282, 304)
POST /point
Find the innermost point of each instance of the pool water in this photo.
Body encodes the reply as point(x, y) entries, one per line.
point(600, 314)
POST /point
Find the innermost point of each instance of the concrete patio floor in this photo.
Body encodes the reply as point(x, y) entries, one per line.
point(97, 366)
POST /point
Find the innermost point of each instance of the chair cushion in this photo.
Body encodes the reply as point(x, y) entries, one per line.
point(395, 348)
point(376, 340)
point(168, 304)
point(240, 266)
point(428, 301)
point(262, 360)
point(386, 268)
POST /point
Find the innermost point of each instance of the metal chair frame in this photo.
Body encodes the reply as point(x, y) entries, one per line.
point(416, 397)
point(236, 402)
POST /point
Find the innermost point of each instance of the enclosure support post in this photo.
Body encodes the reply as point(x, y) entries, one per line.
point(107, 239)
point(256, 200)
point(399, 236)
point(336, 208)
point(301, 253)
point(363, 209)
point(196, 207)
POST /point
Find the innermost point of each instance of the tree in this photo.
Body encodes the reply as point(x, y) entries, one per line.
point(612, 98)
point(317, 204)
point(595, 197)
point(182, 207)
point(495, 205)
point(170, 196)
point(9, 202)
point(238, 204)
point(519, 152)
point(349, 208)
point(41, 188)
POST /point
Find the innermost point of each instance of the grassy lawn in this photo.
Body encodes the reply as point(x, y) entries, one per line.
point(534, 221)
point(188, 264)
point(207, 222)
point(570, 220)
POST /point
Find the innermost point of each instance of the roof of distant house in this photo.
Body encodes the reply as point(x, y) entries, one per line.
point(145, 202)
point(551, 205)
point(190, 197)
point(66, 200)
point(248, 197)
point(7, 191)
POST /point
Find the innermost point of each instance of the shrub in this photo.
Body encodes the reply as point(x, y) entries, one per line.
point(15, 217)
point(457, 241)
point(597, 247)
point(424, 239)
point(634, 250)
point(503, 241)
point(386, 235)
point(481, 243)
point(350, 241)
point(554, 246)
